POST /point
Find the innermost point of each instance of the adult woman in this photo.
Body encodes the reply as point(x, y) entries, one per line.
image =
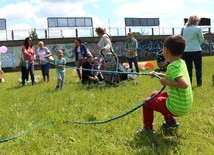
point(110, 60)
point(193, 52)
point(28, 52)
point(104, 45)
point(81, 52)
point(42, 54)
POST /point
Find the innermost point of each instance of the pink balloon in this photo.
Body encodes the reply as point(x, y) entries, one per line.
point(3, 49)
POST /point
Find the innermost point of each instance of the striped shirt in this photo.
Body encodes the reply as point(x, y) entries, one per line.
point(179, 101)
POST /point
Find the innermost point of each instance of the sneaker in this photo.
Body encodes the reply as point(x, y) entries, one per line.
point(142, 131)
point(57, 88)
point(168, 124)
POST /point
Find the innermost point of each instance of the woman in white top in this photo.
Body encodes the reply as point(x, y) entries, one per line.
point(193, 36)
point(42, 55)
point(104, 45)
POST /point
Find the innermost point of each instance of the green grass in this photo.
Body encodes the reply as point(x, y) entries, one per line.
point(22, 108)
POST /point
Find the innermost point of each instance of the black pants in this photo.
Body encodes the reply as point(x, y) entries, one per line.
point(25, 74)
point(196, 58)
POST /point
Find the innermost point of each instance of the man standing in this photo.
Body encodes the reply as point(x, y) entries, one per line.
point(131, 46)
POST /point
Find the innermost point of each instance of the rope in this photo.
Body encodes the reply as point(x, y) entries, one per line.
point(105, 71)
point(26, 131)
point(92, 122)
point(121, 115)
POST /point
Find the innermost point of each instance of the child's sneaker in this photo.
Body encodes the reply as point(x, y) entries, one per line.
point(168, 124)
point(170, 128)
point(142, 131)
point(57, 88)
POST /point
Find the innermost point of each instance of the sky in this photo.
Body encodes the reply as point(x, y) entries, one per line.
point(27, 14)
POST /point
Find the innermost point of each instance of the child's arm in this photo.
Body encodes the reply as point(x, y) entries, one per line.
point(61, 65)
point(159, 74)
point(179, 83)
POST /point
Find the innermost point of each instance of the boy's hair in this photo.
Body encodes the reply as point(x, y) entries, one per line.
point(89, 56)
point(175, 44)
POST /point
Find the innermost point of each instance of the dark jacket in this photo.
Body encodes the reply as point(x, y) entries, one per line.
point(83, 51)
point(86, 73)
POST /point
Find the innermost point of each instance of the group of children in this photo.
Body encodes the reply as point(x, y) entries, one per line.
point(178, 99)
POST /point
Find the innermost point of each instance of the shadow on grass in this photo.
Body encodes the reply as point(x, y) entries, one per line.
point(156, 143)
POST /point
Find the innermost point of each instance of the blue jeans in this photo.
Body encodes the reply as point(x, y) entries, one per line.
point(135, 61)
point(45, 69)
point(196, 58)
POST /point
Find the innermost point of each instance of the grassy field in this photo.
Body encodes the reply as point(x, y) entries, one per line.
point(23, 108)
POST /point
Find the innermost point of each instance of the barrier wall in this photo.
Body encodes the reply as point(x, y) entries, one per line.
point(148, 46)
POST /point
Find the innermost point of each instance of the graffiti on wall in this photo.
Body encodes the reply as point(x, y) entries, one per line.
point(146, 49)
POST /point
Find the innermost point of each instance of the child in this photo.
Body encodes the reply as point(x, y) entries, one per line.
point(177, 101)
point(60, 63)
point(96, 73)
point(87, 75)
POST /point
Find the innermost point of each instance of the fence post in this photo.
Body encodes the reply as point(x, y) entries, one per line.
point(173, 31)
point(76, 32)
point(46, 34)
point(12, 35)
point(152, 31)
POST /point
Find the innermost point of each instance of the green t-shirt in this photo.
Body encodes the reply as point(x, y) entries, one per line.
point(179, 101)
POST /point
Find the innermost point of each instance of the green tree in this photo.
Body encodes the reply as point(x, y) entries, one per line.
point(33, 34)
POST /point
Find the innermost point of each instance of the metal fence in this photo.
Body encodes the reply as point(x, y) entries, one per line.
point(90, 32)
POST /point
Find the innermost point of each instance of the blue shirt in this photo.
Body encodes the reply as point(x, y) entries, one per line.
point(62, 63)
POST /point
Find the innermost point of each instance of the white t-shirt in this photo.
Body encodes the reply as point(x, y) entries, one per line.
point(41, 54)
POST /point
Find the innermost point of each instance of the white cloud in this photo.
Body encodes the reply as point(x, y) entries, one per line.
point(34, 13)
point(164, 9)
point(23, 10)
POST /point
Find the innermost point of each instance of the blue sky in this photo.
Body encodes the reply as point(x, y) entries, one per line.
point(26, 14)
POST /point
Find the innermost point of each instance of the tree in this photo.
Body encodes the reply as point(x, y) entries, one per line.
point(136, 34)
point(33, 34)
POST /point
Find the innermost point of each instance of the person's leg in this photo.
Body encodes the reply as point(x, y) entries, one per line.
point(130, 63)
point(157, 104)
point(135, 59)
point(58, 80)
point(27, 73)
point(43, 72)
point(78, 65)
point(24, 72)
point(47, 68)
point(197, 59)
point(31, 68)
point(187, 56)
point(61, 81)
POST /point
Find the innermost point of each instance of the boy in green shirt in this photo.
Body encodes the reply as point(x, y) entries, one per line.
point(178, 99)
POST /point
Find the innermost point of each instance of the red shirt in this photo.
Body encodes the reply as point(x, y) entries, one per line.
point(31, 51)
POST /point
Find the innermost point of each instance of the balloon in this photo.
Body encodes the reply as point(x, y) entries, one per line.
point(3, 49)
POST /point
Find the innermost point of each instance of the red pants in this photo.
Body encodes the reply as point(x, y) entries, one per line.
point(157, 104)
